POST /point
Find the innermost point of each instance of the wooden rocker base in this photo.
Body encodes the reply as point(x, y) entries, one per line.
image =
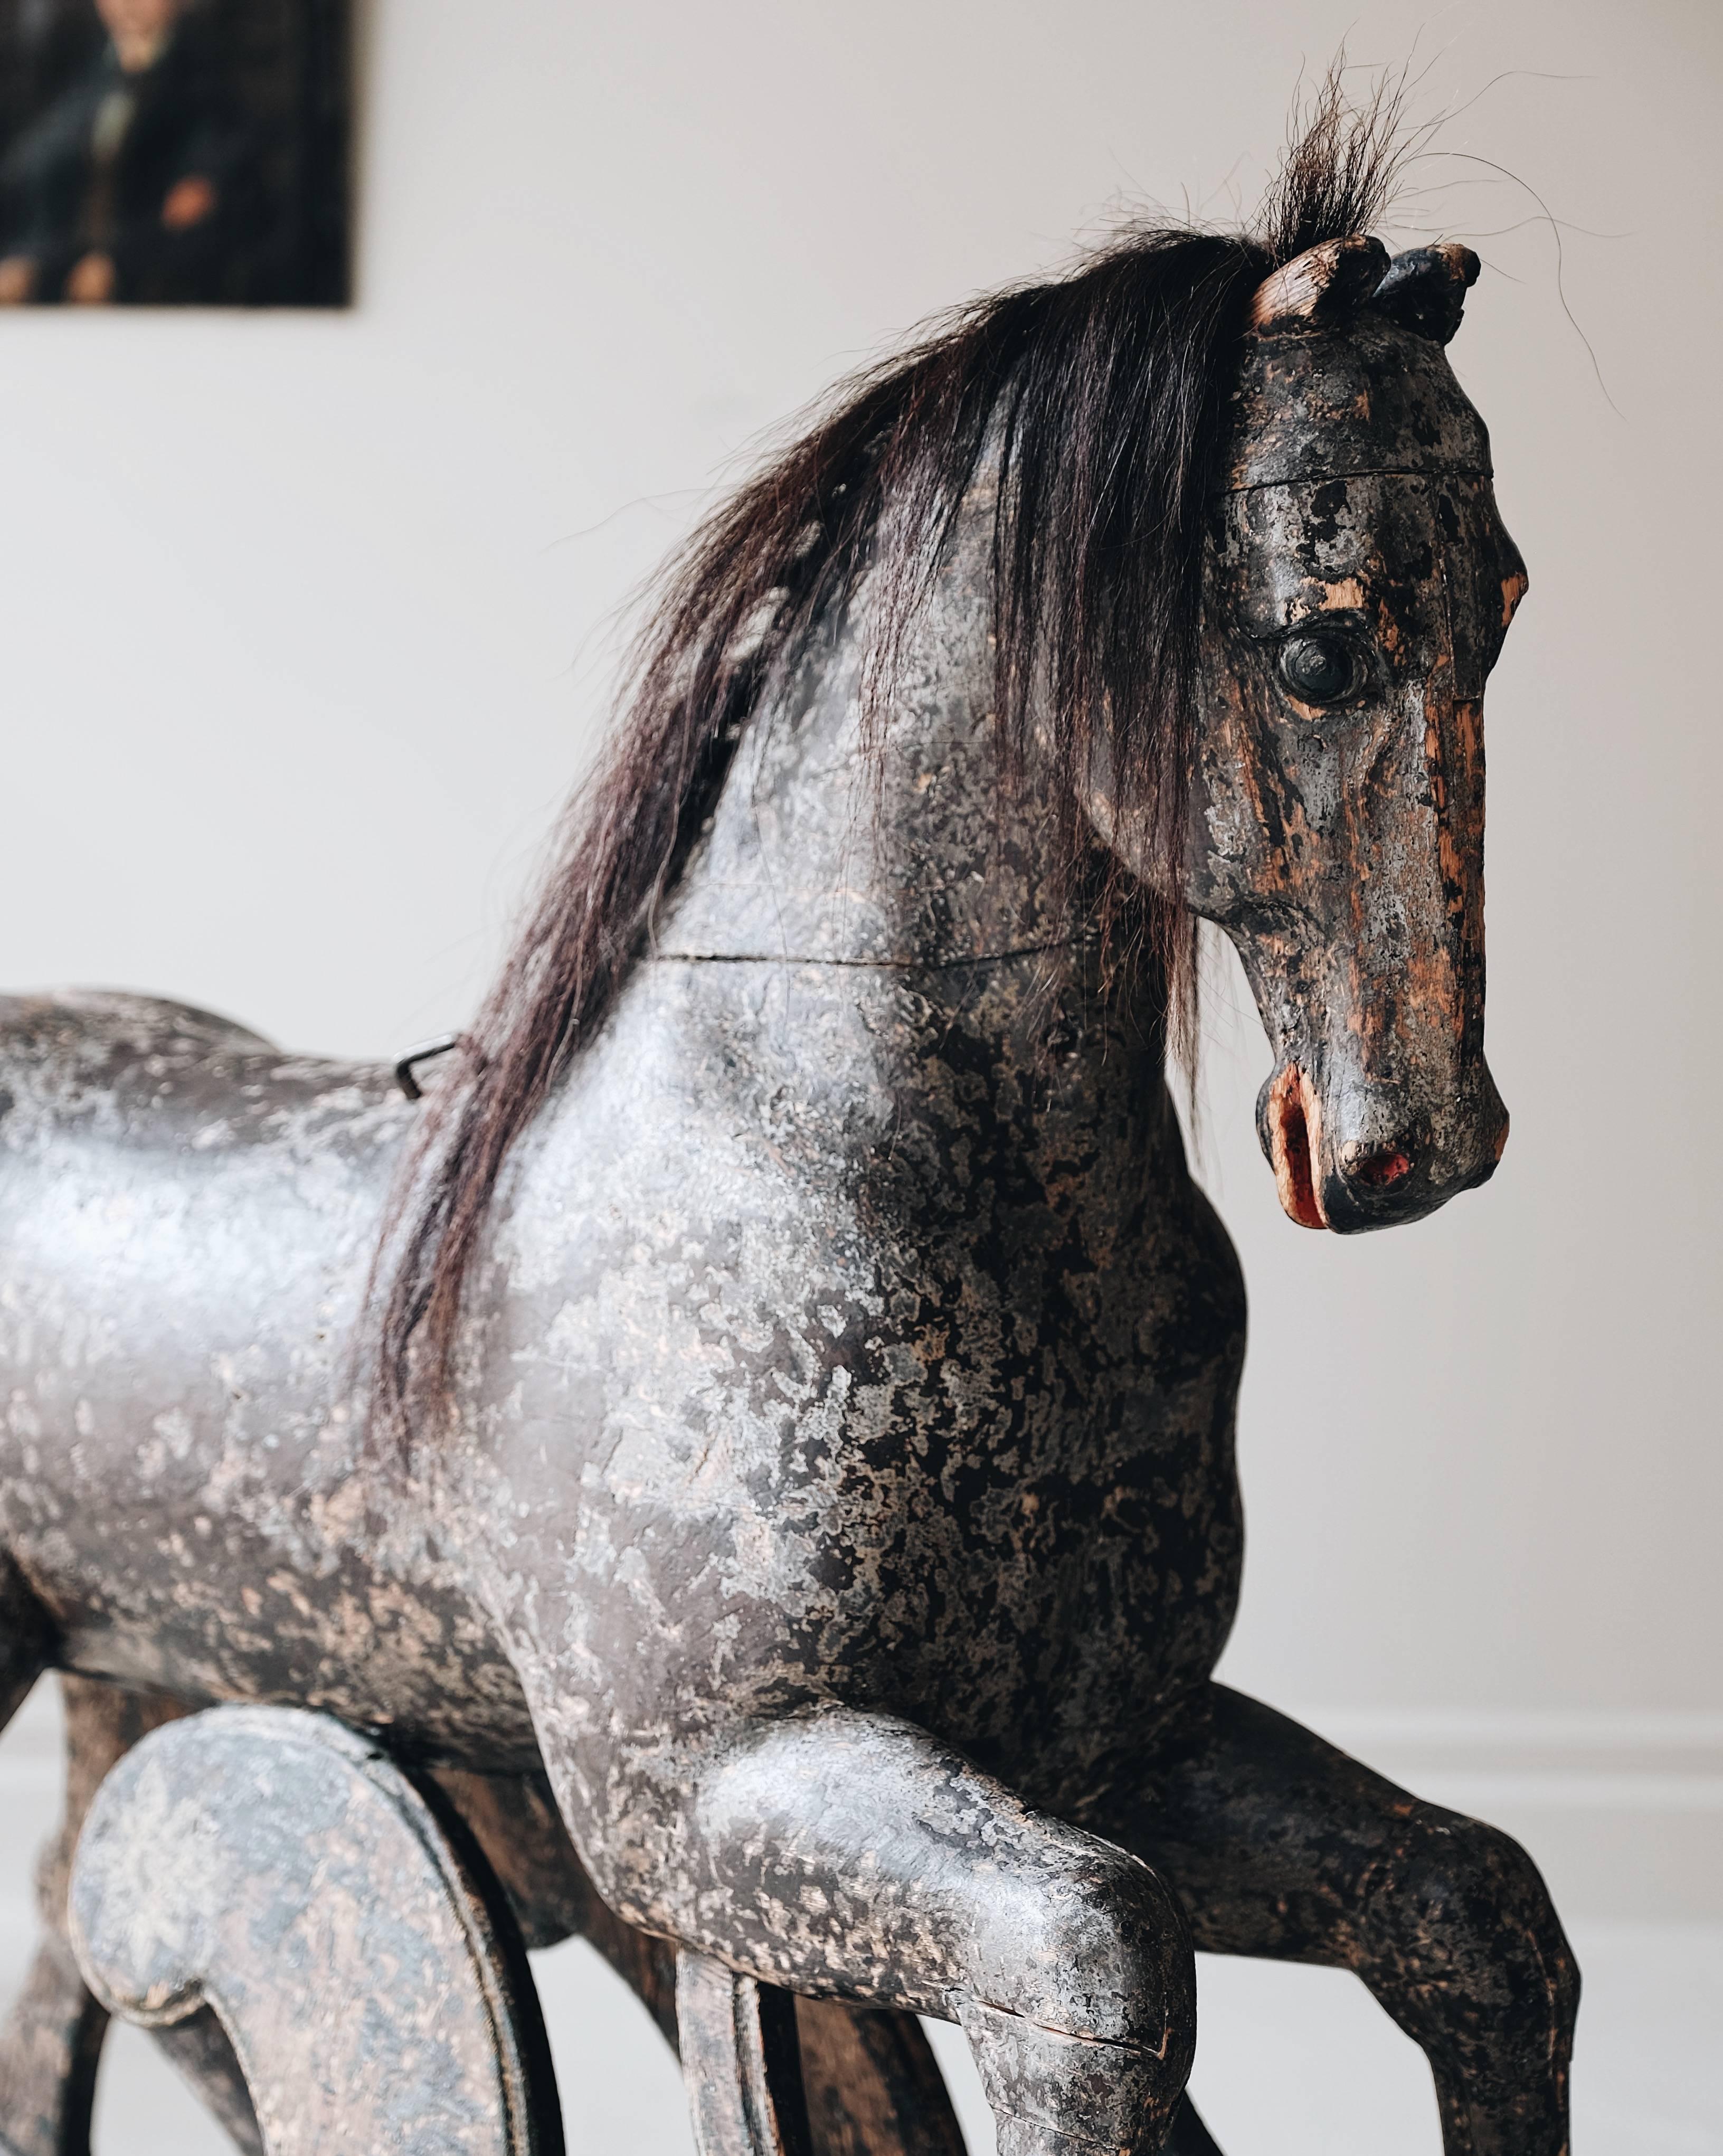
point(272, 1866)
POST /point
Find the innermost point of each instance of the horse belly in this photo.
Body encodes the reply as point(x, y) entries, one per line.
point(158, 1596)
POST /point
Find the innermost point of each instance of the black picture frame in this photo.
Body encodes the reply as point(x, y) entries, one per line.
point(270, 81)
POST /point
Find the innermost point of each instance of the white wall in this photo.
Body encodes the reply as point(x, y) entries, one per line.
point(304, 638)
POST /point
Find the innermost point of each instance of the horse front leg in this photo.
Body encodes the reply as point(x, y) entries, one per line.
point(1282, 1846)
point(848, 1854)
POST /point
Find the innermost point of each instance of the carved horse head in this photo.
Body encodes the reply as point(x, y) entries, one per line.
point(1358, 585)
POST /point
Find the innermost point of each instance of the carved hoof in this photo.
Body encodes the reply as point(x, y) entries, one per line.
point(275, 1866)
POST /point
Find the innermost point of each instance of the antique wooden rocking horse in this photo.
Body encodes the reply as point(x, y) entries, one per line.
point(790, 1462)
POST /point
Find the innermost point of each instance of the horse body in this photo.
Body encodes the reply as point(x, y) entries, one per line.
point(852, 1330)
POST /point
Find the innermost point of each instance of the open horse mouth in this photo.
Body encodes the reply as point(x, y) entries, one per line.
point(1294, 1119)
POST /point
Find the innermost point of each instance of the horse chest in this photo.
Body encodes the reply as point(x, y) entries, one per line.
point(917, 1393)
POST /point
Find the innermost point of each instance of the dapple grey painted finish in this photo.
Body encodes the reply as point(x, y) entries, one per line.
point(842, 1499)
point(189, 1222)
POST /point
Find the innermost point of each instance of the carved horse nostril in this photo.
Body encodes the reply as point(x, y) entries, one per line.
point(1380, 1167)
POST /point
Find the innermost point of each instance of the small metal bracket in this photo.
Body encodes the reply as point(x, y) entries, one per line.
point(423, 1054)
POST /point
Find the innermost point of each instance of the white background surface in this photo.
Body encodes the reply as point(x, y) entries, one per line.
point(304, 635)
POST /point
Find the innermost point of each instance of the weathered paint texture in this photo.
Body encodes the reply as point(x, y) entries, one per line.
point(841, 1512)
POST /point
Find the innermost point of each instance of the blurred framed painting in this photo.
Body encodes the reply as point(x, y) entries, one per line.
point(174, 153)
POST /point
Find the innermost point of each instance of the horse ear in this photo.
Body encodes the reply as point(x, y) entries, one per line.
point(1425, 289)
point(1322, 282)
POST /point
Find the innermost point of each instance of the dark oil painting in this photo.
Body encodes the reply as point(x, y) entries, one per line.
point(174, 153)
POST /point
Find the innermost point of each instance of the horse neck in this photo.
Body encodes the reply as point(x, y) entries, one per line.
point(889, 841)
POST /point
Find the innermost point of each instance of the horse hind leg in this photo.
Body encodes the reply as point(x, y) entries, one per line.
point(26, 1639)
point(49, 2051)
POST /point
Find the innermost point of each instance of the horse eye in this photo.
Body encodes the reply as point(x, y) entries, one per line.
point(1324, 668)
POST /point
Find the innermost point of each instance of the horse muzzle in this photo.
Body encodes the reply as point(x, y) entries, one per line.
point(1351, 1153)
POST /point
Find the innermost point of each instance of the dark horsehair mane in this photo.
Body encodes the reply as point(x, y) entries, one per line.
point(1106, 391)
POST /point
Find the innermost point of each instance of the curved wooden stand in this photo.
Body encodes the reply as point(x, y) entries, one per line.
point(272, 1866)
